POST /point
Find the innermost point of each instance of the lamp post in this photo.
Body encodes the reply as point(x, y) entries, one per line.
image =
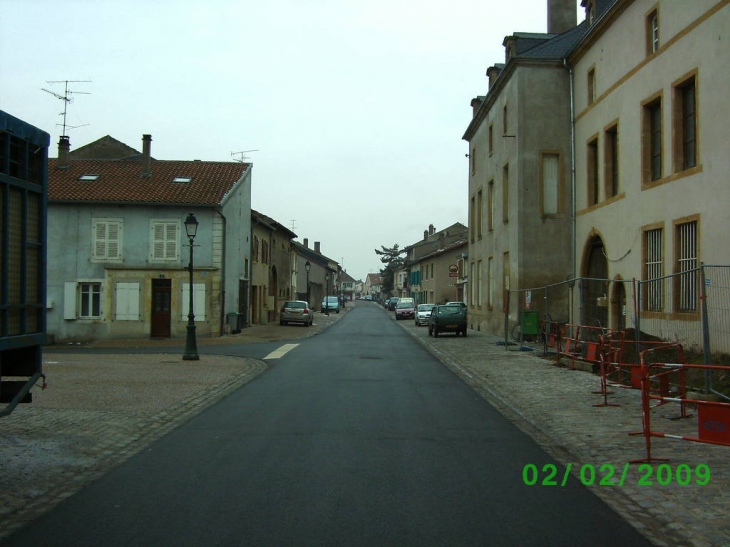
point(191, 348)
point(307, 267)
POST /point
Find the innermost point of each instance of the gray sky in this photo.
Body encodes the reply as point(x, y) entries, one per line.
point(356, 108)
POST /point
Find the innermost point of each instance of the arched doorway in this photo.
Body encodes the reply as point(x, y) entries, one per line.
point(595, 288)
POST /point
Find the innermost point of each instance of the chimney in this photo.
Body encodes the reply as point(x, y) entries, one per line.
point(146, 148)
point(306, 242)
point(316, 247)
point(425, 235)
point(493, 72)
point(562, 16)
point(64, 145)
point(431, 230)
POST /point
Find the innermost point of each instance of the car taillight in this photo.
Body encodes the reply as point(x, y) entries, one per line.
point(283, 309)
point(306, 310)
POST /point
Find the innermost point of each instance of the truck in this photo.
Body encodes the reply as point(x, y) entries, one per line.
point(23, 240)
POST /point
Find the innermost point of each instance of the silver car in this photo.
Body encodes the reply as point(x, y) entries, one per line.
point(423, 312)
point(296, 311)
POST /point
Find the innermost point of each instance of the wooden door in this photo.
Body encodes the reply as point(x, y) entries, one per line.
point(161, 308)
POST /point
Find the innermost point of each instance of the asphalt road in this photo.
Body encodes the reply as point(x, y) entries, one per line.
point(357, 436)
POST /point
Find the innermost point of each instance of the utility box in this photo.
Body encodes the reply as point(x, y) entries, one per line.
point(530, 322)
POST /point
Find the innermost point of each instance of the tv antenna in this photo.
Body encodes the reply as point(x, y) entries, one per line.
point(243, 157)
point(293, 225)
point(66, 99)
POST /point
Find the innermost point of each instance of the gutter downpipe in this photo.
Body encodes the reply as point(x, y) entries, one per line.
point(573, 217)
point(222, 327)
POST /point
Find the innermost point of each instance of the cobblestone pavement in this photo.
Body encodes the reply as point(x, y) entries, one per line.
point(71, 435)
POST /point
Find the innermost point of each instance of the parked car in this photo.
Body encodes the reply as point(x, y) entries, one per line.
point(391, 302)
point(331, 304)
point(423, 312)
point(296, 311)
point(447, 318)
point(405, 308)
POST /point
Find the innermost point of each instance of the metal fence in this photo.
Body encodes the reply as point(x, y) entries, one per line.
point(691, 308)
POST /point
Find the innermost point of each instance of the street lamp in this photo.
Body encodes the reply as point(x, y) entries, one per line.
point(191, 348)
point(307, 267)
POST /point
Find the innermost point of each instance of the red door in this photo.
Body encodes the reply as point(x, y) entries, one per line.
point(161, 308)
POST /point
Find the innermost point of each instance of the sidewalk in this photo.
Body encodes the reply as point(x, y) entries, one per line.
point(71, 434)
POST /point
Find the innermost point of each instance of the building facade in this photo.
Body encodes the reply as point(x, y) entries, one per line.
point(119, 250)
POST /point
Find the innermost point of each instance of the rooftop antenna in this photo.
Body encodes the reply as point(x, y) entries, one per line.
point(242, 154)
point(293, 226)
point(66, 99)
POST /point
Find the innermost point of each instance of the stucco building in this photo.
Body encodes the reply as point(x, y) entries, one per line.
point(118, 248)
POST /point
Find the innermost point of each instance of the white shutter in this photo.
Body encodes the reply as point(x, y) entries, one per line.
point(127, 302)
point(112, 240)
point(158, 241)
point(69, 300)
point(99, 240)
point(171, 240)
point(198, 302)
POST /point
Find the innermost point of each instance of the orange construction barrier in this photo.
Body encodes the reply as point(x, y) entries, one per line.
point(713, 421)
point(580, 343)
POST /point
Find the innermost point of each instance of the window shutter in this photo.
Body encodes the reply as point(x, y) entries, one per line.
point(158, 241)
point(112, 239)
point(127, 305)
point(171, 239)
point(69, 300)
point(198, 302)
point(99, 240)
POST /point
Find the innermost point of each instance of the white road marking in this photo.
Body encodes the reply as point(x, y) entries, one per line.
point(279, 353)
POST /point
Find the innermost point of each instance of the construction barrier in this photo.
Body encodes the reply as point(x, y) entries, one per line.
point(551, 335)
point(580, 343)
point(713, 418)
point(622, 361)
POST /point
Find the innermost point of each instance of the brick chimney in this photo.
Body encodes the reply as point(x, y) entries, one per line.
point(146, 155)
point(316, 247)
point(64, 145)
point(431, 230)
point(562, 16)
point(306, 242)
point(425, 235)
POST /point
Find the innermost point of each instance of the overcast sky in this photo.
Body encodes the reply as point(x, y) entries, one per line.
point(356, 108)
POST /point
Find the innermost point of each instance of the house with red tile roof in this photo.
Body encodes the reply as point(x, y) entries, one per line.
point(118, 253)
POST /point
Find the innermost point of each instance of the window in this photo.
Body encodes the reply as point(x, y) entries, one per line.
point(652, 32)
point(491, 139)
point(471, 284)
point(685, 125)
point(480, 208)
point(472, 218)
point(479, 283)
point(490, 205)
point(592, 85)
point(164, 240)
point(653, 297)
point(652, 140)
point(592, 172)
point(88, 178)
point(473, 160)
point(611, 161)
point(182, 180)
point(505, 193)
point(490, 282)
point(505, 119)
point(198, 301)
point(550, 184)
point(686, 265)
point(82, 300)
point(107, 240)
point(255, 248)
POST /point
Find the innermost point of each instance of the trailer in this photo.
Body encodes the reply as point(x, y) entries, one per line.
point(23, 217)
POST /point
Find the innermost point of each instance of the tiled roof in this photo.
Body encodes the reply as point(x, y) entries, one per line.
point(121, 181)
point(559, 46)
